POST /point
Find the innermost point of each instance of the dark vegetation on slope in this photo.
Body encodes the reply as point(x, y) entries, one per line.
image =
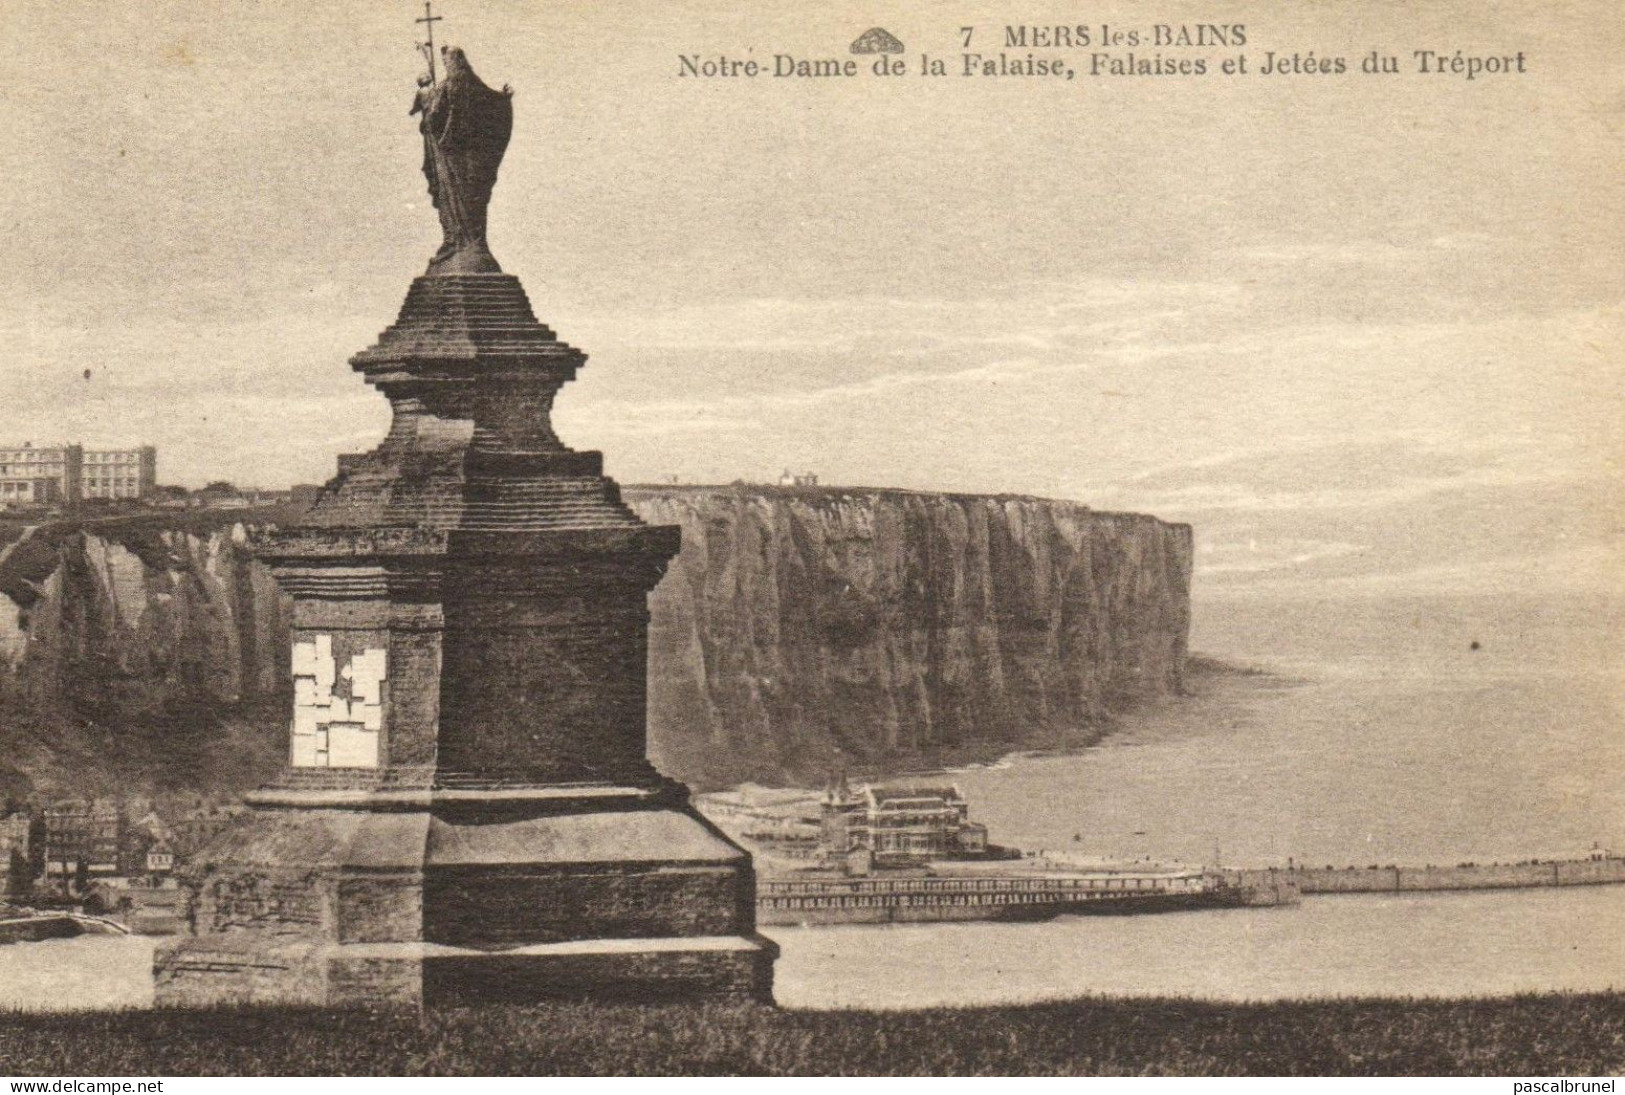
point(136, 656)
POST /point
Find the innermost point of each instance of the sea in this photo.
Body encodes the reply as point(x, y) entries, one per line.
point(1344, 731)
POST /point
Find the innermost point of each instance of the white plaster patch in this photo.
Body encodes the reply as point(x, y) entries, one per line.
point(329, 730)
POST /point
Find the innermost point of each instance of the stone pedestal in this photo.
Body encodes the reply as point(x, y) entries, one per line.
point(468, 812)
point(470, 897)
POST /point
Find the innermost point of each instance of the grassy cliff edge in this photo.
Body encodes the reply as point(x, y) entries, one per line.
point(1530, 1035)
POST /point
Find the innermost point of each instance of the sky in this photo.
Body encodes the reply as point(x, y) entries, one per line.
point(1362, 332)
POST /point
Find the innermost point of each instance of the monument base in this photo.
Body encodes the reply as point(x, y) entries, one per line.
point(415, 899)
point(202, 972)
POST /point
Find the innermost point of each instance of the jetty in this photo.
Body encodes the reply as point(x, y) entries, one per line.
point(882, 854)
point(1595, 870)
point(922, 897)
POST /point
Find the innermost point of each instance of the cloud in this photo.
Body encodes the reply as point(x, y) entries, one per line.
point(1309, 255)
point(1588, 569)
point(1320, 252)
point(1261, 557)
point(1263, 492)
point(754, 411)
point(1042, 314)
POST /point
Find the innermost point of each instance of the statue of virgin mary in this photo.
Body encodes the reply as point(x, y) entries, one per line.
point(465, 127)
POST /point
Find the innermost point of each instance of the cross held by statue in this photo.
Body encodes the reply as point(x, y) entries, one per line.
point(429, 20)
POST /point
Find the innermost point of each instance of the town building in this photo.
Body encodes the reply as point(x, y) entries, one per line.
point(147, 849)
point(220, 495)
point(898, 826)
point(191, 829)
point(793, 479)
point(65, 475)
point(82, 841)
point(44, 476)
point(15, 846)
point(128, 474)
point(14, 836)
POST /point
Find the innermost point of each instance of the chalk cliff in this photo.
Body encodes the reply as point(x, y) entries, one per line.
point(801, 629)
point(798, 630)
point(148, 653)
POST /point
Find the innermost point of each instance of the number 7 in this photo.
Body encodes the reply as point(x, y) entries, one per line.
point(966, 31)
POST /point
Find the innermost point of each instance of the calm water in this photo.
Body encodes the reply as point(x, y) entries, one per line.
point(1415, 945)
point(1379, 737)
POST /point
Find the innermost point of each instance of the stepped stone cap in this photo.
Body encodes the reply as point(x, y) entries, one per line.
point(471, 465)
point(467, 317)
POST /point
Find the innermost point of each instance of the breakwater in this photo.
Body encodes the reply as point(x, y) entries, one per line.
point(1467, 876)
point(927, 898)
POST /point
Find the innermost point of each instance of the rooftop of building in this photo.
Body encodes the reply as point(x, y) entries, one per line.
point(906, 794)
point(936, 796)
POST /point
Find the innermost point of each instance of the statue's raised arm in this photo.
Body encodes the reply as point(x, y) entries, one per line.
point(465, 127)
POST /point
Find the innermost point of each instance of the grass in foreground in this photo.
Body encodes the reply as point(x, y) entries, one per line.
point(1545, 1035)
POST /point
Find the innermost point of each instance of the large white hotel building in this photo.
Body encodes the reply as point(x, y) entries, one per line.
point(66, 475)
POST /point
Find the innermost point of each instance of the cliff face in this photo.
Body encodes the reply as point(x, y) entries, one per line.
point(798, 630)
point(149, 654)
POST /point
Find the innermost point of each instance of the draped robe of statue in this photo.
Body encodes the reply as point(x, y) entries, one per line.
point(465, 126)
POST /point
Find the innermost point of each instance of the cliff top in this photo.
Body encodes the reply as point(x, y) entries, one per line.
point(28, 552)
point(823, 491)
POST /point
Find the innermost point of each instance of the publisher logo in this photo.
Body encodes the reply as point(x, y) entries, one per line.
point(877, 40)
